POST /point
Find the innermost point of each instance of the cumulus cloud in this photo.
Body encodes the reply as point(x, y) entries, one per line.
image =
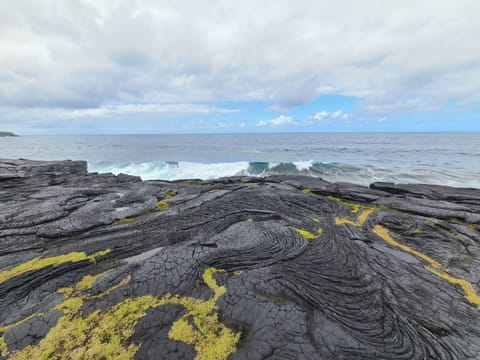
point(281, 120)
point(321, 115)
point(324, 115)
point(83, 55)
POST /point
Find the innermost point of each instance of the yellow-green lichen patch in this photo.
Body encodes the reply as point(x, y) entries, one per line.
point(467, 287)
point(101, 335)
point(360, 220)
point(3, 329)
point(382, 232)
point(434, 266)
point(60, 334)
point(471, 227)
point(354, 208)
point(211, 339)
point(161, 205)
point(124, 221)
point(307, 234)
point(307, 191)
point(40, 263)
point(106, 335)
point(86, 283)
point(3, 347)
point(10, 326)
point(88, 280)
point(122, 283)
point(212, 284)
point(316, 220)
point(196, 182)
point(456, 236)
point(169, 193)
point(249, 220)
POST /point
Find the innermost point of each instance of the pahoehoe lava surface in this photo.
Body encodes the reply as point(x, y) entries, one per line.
point(283, 267)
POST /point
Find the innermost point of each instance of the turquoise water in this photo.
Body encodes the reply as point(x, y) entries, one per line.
point(439, 158)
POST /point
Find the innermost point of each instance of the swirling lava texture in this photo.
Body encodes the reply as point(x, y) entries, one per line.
point(284, 267)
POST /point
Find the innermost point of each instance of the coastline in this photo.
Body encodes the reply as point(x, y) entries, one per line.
point(316, 257)
point(7, 134)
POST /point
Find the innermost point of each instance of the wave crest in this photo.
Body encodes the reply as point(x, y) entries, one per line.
point(173, 170)
point(334, 172)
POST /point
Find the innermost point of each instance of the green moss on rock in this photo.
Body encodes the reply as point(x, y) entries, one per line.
point(40, 263)
point(106, 334)
point(161, 205)
point(124, 221)
point(170, 193)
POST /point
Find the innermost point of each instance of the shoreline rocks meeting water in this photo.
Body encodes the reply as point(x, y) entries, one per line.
point(96, 266)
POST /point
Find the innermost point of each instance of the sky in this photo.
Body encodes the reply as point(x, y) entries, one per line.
point(130, 67)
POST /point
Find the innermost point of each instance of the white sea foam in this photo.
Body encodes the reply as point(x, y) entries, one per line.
point(304, 165)
point(360, 174)
point(159, 170)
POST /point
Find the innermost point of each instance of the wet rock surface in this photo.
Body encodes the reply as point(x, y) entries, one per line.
point(245, 268)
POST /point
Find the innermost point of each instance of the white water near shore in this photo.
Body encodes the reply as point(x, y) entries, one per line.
point(334, 172)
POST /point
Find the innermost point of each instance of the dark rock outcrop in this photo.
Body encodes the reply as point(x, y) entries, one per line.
point(6, 133)
point(250, 268)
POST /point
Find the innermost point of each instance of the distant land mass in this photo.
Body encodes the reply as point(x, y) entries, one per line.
point(7, 133)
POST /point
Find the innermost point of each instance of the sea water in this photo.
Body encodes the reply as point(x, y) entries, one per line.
point(434, 158)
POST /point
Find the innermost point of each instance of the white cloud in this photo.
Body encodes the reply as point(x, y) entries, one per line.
point(86, 56)
point(337, 114)
point(215, 125)
point(321, 115)
point(281, 120)
point(325, 115)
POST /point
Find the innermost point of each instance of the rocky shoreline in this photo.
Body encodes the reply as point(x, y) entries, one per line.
point(99, 266)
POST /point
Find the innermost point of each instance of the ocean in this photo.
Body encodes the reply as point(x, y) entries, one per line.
point(362, 158)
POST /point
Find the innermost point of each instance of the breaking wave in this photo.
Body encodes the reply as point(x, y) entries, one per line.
point(335, 172)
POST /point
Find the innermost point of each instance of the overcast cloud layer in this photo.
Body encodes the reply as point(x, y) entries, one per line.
point(68, 59)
